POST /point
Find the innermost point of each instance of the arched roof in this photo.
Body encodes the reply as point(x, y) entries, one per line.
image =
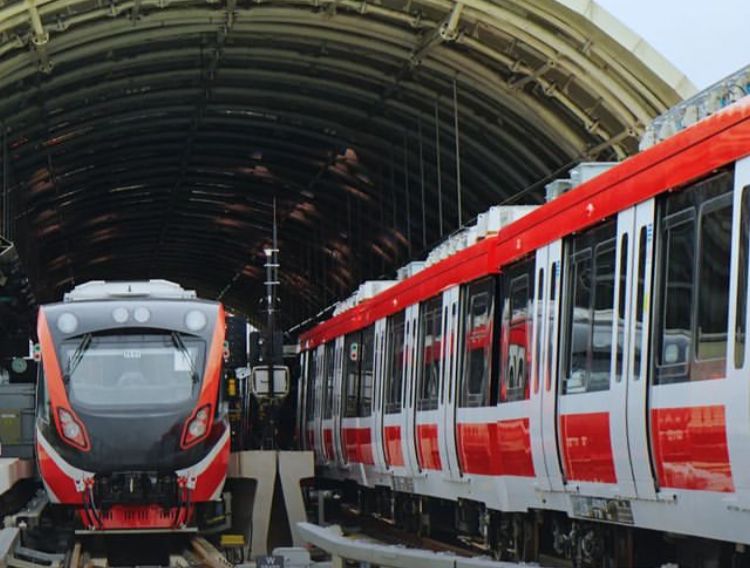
point(148, 138)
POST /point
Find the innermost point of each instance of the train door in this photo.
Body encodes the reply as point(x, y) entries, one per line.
point(640, 219)
point(352, 355)
point(408, 424)
point(378, 394)
point(692, 396)
point(338, 403)
point(551, 259)
point(431, 358)
point(591, 405)
point(392, 406)
point(448, 383)
point(541, 286)
point(307, 414)
point(738, 411)
point(325, 402)
point(514, 453)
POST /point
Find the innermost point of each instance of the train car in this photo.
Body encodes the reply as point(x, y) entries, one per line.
point(130, 429)
point(571, 380)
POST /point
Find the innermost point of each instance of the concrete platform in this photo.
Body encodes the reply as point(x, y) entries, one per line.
point(13, 470)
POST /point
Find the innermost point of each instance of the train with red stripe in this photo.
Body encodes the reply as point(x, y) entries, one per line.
point(576, 382)
point(130, 430)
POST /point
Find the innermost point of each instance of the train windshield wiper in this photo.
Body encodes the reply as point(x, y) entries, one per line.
point(77, 357)
point(180, 344)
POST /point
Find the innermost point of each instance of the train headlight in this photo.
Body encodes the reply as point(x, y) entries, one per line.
point(197, 427)
point(120, 315)
point(67, 323)
point(141, 314)
point(71, 430)
point(195, 320)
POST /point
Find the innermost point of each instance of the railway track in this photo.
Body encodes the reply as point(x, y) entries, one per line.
point(387, 532)
point(195, 552)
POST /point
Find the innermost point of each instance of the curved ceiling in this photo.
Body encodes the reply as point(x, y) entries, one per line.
point(149, 138)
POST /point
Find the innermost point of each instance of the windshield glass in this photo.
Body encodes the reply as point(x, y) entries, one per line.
point(131, 370)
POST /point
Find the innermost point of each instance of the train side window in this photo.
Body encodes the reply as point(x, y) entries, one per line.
point(588, 328)
point(430, 353)
point(310, 392)
point(366, 375)
point(394, 363)
point(713, 283)
point(552, 310)
point(691, 338)
point(740, 323)
point(479, 317)
point(621, 308)
point(350, 385)
point(539, 326)
point(604, 306)
point(516, 332)
point(328, 378)
point(639, 302)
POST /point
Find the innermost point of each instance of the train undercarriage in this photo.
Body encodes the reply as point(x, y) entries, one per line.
point(537, 536)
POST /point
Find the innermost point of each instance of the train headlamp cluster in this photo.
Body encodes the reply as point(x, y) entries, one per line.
point(141, 314)
point(197, 427)
point(71, 429)
point(195, 320)
point(67, 323)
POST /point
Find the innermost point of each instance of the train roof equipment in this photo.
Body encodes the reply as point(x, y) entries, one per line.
point(113, 290)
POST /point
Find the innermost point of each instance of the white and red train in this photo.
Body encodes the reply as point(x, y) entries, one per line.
point(130, 430)
point(576, 377)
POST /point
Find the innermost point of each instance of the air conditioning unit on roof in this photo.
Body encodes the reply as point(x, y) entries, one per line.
point(409, 270)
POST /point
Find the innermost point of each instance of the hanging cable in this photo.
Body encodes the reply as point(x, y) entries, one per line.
point(407, 191)
point(421, 179)
point(458, 153)
point(437, 167)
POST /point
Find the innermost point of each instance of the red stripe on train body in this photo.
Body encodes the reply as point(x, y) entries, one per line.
point(394, 453)
point(587, 447)
point(496, 448)
point(690, 448)
point(428, 450)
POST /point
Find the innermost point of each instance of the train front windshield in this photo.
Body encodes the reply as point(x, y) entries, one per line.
point(132, 370)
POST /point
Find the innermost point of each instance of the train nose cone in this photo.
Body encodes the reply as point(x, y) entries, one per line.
point(148, 441)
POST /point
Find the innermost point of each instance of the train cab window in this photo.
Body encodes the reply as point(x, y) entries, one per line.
point(351, 374)
point(588, 329)
point(395, 353)
point(430, 352)
point(740, 322)
point(328, 381)
point(479, 317)
point(366, 375)
point(516, 331)
point(696, 228)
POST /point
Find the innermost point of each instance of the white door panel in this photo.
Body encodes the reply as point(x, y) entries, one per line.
point(548, 386)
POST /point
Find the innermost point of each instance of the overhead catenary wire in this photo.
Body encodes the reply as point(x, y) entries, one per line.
point(422, 183)
point(437, 167)
point(458, 153)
